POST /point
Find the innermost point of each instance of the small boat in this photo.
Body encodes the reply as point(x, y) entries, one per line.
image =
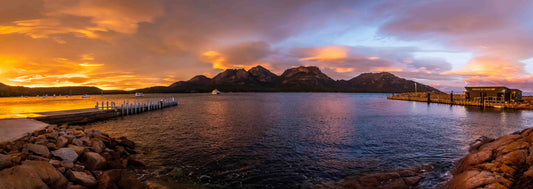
point(85, 96)
point(215, 92)
point(498, 106)
point(139, 95)
point(54, 95)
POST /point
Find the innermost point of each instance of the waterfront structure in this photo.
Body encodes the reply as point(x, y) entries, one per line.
point(493, 93)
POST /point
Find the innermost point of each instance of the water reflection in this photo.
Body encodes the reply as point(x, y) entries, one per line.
point(286, 139)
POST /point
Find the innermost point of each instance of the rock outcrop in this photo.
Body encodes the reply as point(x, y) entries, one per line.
point(41, 160)
point(403, 178)
point(506, 162)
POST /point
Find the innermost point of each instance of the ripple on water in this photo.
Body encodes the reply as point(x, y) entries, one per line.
point(273, 140)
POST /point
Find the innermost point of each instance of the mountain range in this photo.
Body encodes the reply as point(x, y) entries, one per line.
point(256, 79)
point(299, 79)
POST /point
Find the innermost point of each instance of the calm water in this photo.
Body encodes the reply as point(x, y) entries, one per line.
point(273, 140)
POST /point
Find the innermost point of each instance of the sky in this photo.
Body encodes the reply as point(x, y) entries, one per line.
point(129, 44)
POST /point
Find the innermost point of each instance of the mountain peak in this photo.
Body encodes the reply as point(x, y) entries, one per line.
point(199, 79)
point(386, 82)
point(262, 74)
point(308, 76)
point(239, 76)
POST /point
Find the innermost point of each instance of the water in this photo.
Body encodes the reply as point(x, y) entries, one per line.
point(20, 107)
point(286, 140)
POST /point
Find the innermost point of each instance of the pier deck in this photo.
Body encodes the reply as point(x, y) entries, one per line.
point(459, 101)
point(11, 129)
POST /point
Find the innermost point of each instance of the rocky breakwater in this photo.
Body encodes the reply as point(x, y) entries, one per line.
point(505, 162)
point(69, 157)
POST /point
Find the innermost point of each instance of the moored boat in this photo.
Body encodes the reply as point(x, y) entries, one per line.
point(139, 95)
point(215, 92)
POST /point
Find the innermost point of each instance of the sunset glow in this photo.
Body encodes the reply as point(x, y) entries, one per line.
point(137, 44)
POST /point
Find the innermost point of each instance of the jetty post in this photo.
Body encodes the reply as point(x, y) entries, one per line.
point(429, 97)
point(451, 97)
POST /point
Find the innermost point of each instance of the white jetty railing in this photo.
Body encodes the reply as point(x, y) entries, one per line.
point(137, 106)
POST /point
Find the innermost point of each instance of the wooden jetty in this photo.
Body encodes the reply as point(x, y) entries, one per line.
point(458, 100)
point(105, 110)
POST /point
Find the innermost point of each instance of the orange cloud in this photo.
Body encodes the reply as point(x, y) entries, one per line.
point(327, 53)
point(218, 60)
point(490, 66)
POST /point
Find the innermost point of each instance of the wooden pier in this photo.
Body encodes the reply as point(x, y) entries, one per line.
point(105, 110)
point(457, 100)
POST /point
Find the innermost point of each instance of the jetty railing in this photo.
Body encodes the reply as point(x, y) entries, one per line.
point(487, 102)
point(137, 106)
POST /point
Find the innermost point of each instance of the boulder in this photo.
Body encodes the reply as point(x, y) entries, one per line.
point(126, 143)
point(78, 149)
point(473, 159)
point(38, 149)
point(55, 163)
point(61, 142)
point(119, 178)
point(66, 154)
point(475, 178)
point(77, 142)
point(67, 164)
point(94, 161)
point(32, 174)
point(5, 161)
point(82, 178)
point(97, 145)
point(51, 146)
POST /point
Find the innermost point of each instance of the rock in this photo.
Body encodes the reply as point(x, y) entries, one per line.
point(67, 164)
point(97, 145)
point(499, 142)
point(474, 146)
point(134, 163)
point(82, 178)
point(78, 149)
point(406, 178)
point(126, 143)
point(38, 149)
point(119, 178)
point(55, 163)
point(115, 164)
point(61, 142)
point(32, 174)
point(77, 142)
point(51, 146)
point(5, 161)
point(514, 159)
point(79, 133)
point(474, 178)
point(66, 154)
point(412, 181)
point(128, 180)
point(78, 167)
point(108, 179)
point(38, 158)
point(94, 161)
point(473, 159)
point(77, 187)
point(17, 158)
point(97, 173)
point(41, 140)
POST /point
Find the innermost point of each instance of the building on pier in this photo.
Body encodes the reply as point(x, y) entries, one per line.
point(496, 93)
